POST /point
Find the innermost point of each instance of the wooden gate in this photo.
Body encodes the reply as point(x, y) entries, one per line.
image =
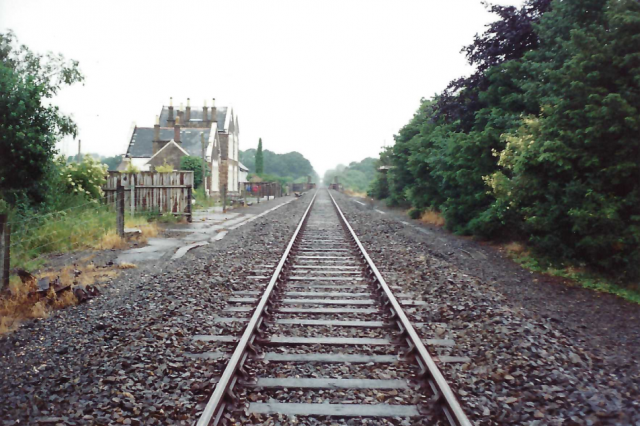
point(153, 191)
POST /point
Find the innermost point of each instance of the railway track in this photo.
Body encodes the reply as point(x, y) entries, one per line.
point(327, 339)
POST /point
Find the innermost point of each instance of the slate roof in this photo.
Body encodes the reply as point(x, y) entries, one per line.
point(141, 144)
point(196, 114)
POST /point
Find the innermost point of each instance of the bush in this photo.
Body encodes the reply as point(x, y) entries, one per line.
point(415, 213)
point(85, 178)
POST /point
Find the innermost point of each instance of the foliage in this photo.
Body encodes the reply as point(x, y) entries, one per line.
point(541, 142)
point(78, 226)
point(131, 168)
point(415, 213)
point(86, 178)
point(292, 164)
point(29, 126)
point(112, 162)
point(259, 159)
point(357, 176)
point(195, 165)
point(167, 168)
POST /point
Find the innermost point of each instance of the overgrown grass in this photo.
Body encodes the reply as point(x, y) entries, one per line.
point(203, 202)
point(432, 217)
point(581, 276)
point(66, 231)
point(86, 225)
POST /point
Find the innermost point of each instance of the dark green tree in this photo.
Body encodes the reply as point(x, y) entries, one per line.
point(572, 172)
point(194, 164)
point(29, 125)
point(259, 159)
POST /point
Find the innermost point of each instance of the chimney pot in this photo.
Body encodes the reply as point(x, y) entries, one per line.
point(188, 102)
point(213, 102)
point(187, 117)
point(171, 102)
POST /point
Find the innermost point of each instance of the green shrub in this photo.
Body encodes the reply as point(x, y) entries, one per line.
point(415, 213)
point(85, 178)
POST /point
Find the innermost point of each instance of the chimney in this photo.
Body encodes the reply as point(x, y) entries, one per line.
point(214, 117)
point(188, 112)
point(170, 118)
point(181, 112)
point(205, 112)
point(176, 131)
point(156, 129)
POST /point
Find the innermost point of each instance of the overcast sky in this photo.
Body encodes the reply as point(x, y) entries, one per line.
point(333, 80)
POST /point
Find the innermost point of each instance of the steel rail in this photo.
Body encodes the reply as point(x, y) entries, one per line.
point(451, 406)
point(215, 406)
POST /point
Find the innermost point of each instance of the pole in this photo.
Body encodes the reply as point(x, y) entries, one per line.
point(79, 150)
point(120, 210)
point(188, 206)
point(5, 242)
point(133, 195)
point(204, 167)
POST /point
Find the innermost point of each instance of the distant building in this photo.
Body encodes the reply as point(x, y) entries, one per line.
point(243, 173)
point(179, 132)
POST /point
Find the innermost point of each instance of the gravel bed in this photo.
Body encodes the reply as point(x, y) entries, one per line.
point(525, 369)
point(351, 316)
point(123, 358)
point(399, 370)
point(327, 331)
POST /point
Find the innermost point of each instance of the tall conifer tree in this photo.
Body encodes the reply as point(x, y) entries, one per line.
point(259, 159)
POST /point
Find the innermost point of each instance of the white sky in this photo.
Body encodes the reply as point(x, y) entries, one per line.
point(331, 79)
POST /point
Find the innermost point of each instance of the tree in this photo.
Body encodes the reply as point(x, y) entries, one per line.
point(356, 177)
point(195, 165)
point(572, 172)
point(291, 164)
point(112, 162)
point(259, 161)
point(29, 126)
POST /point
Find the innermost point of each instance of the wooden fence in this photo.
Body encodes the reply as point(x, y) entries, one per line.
point(153, 191)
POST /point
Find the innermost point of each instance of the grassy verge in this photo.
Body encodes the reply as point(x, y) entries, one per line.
point(580, 276)
point(74, 229)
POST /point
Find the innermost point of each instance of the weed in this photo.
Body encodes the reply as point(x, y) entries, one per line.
point(23, 302)
point(515, 247)
point(432, 217)
point(577, 274)
point(126, 265)
point(111, 241)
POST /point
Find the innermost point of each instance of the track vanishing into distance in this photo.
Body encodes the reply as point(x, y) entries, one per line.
point(327, 339)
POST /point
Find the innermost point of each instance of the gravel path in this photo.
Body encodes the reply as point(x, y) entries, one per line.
point(123, 358)
point(527, 367)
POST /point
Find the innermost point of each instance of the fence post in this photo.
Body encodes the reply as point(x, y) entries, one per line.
point(188, 206)
point(133, 197)
point(120, 210)
point(5, 243)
